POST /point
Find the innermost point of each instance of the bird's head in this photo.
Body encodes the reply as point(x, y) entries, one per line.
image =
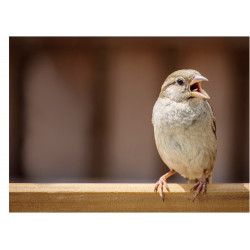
point(182, 85)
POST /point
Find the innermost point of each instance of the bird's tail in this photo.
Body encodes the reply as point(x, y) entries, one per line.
point(193, 181)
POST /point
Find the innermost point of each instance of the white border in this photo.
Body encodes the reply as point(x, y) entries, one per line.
point(116, 18)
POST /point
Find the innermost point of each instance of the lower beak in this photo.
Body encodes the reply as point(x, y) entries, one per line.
point(195, 87)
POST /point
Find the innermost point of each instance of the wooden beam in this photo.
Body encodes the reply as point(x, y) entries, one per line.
point(85, 197)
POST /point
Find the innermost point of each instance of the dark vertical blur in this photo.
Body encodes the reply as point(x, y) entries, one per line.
point(99, 121)
point(240, 154)
point(80, 108)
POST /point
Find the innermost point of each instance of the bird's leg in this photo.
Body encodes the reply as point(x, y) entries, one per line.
point(163, 182)
point(200, 186)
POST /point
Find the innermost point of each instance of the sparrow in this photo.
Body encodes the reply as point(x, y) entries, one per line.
point(185, 130)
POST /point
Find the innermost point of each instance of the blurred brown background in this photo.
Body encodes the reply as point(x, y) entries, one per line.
point(80, 108)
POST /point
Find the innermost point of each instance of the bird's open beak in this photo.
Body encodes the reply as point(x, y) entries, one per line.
point(195, 87)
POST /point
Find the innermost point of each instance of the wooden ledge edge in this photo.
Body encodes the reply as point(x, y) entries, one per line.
point(119, 188)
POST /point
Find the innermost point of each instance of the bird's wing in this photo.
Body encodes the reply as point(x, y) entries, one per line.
point(214, 126)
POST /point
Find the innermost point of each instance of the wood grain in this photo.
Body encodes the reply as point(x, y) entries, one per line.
point(85, 197)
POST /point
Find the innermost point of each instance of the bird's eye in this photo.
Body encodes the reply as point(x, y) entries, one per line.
point(180, 81)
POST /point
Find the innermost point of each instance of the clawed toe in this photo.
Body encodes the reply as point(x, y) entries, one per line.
point(160, 184)
point(200, 186)
point(163, 183)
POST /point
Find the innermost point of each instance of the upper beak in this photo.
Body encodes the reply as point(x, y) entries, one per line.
point(195, 87)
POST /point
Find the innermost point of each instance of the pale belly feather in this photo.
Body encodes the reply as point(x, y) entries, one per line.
point(185, 139)
point(187, 153)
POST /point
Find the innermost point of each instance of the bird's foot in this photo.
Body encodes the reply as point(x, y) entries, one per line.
point(163, 183)
point(160, 184)
point(200, 186)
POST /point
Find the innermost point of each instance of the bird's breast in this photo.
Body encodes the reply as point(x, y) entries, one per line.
point(184, 138)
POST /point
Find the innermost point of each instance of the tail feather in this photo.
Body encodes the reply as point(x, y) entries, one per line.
point(193, 181)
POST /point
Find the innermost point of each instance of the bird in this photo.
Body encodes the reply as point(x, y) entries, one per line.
point(185, 130)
